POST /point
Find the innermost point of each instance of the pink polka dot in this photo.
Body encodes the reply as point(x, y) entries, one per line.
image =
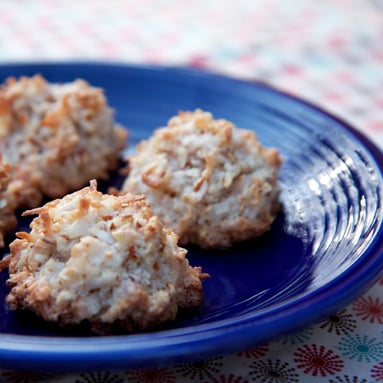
point(247, 58)
point(334, 97)
point(292, 69)
point(198, 61)
point(336, 42)
point(379, 102)
point(377, 55)
point(376, 125)
point(345, 76)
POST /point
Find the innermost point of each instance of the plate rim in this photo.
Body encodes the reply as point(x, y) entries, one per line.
point(137, 350)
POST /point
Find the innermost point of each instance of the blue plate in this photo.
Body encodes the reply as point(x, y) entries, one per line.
point(324, 249)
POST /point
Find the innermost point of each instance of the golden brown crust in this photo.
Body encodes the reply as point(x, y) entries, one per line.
point(103, 259)
point(56, 137)
point(212, 183)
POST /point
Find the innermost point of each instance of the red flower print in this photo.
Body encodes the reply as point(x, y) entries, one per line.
point(369, 309)
point(254, 353)
point(160, 375)
point(316, 360)
point(377, 372)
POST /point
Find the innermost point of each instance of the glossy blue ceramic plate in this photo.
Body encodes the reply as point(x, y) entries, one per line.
point(324, 249)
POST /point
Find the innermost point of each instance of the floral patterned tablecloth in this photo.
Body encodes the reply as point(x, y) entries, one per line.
point(329, 52)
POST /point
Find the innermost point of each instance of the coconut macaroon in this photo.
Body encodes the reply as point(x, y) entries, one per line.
point(211, 182)
point(56, 137)
point(7, 203)
point(103, 259)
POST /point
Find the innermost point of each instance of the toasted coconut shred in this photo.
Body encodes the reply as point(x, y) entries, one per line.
point(56, 137)
point(103, 259)
point(211, 182)
point(7, 203)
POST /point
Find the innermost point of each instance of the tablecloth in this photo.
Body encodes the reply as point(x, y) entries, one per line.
point(329, 52)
